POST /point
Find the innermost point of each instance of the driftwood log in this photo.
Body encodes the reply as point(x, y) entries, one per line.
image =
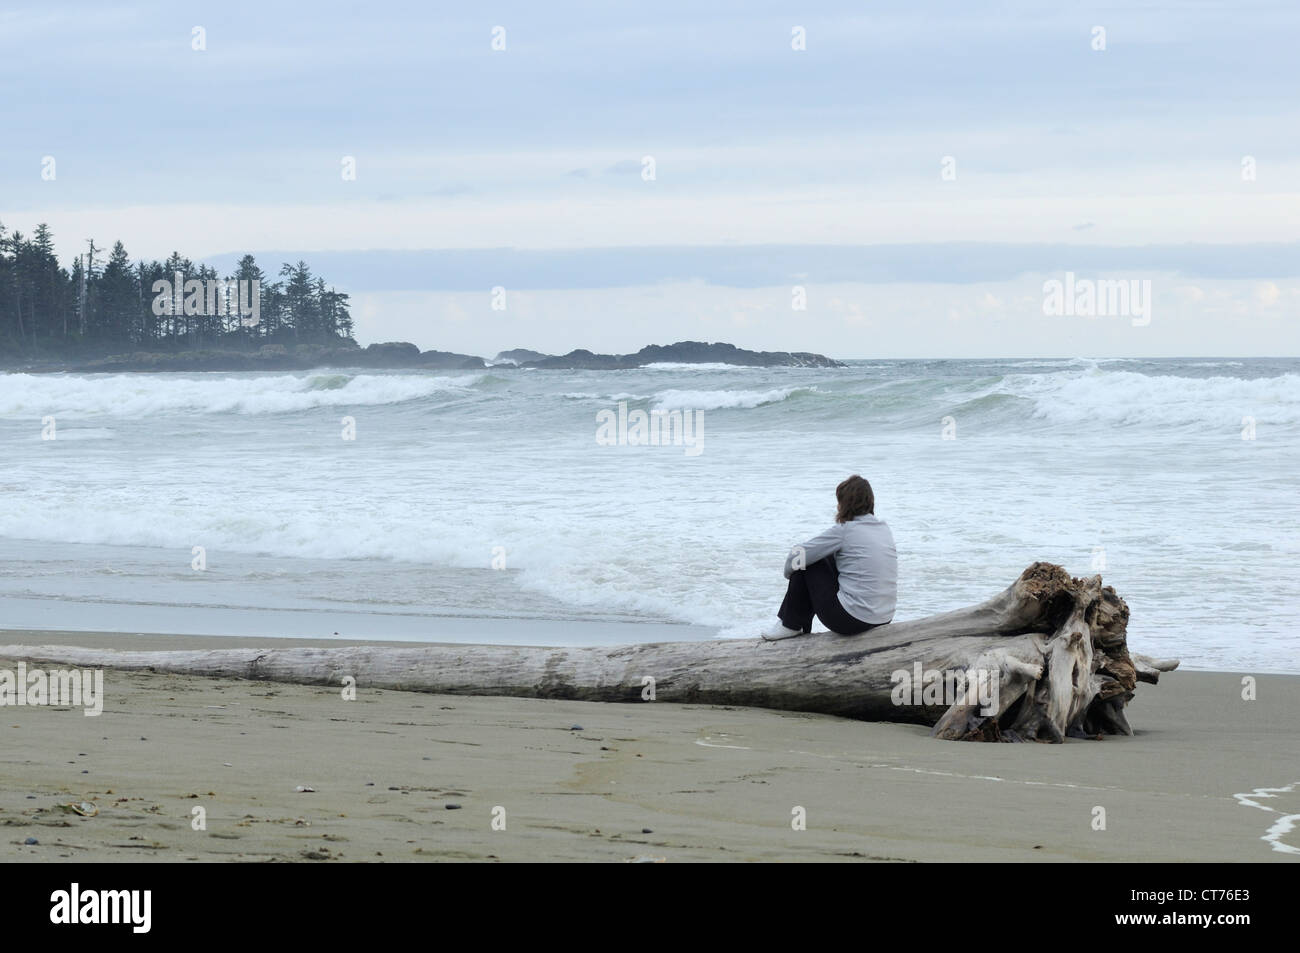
point(1052, 648)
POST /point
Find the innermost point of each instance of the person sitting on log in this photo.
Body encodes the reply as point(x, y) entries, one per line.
point(846, 576)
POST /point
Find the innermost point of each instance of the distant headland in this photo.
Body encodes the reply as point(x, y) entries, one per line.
point(114, 314)
point(402, 355)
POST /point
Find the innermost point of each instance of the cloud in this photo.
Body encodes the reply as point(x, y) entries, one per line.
point(625, 167)
point(904, 320)
point(1267, 293)
point(766, 265)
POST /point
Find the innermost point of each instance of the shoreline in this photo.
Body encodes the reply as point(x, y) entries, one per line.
point(346, 354)
point(618, 782)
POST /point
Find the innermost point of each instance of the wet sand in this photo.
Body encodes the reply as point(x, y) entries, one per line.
point(401, 776)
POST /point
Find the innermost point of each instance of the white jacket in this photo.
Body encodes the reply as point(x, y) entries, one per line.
point(867, 562)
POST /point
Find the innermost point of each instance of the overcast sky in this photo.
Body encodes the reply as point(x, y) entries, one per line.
point(773, 167)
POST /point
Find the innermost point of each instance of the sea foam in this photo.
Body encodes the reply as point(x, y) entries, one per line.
point(146, 395)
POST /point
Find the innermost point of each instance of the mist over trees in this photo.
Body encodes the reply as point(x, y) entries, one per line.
point(106, 302)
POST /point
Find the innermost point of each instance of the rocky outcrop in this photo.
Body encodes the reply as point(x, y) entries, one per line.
point(518, 356)
point(449, 361)
point(392, 354)
point(683, 352)
point(697, 352)
point(401, 354)
point(582, 360)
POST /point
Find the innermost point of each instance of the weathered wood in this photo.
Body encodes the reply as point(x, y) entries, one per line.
point(1054, 646)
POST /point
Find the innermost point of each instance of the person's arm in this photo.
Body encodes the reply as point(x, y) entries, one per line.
point(819, 547)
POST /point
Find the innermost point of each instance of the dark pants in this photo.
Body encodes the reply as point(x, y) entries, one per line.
point(815, 591)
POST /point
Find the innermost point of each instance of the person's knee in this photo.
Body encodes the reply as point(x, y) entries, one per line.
point(823, 567)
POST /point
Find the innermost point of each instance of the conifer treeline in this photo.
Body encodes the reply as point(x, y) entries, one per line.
point(110, 303)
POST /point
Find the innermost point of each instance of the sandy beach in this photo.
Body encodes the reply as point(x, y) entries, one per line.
point(398, 776)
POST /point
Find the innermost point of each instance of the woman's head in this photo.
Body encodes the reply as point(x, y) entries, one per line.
point(855, 498)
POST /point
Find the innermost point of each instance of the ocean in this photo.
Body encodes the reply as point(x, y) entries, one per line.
point(481, 505)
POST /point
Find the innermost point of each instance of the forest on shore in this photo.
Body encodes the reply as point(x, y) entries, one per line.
point(103, 302)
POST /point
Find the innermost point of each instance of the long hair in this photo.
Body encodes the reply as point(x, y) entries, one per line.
point(855, 499)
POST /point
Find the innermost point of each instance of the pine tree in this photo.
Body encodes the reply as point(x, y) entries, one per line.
point(247, 271)
point(119, 297)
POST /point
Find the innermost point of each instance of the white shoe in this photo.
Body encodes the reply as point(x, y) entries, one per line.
point(779, 632)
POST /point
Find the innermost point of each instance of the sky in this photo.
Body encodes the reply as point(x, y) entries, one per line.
point(864, 180)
